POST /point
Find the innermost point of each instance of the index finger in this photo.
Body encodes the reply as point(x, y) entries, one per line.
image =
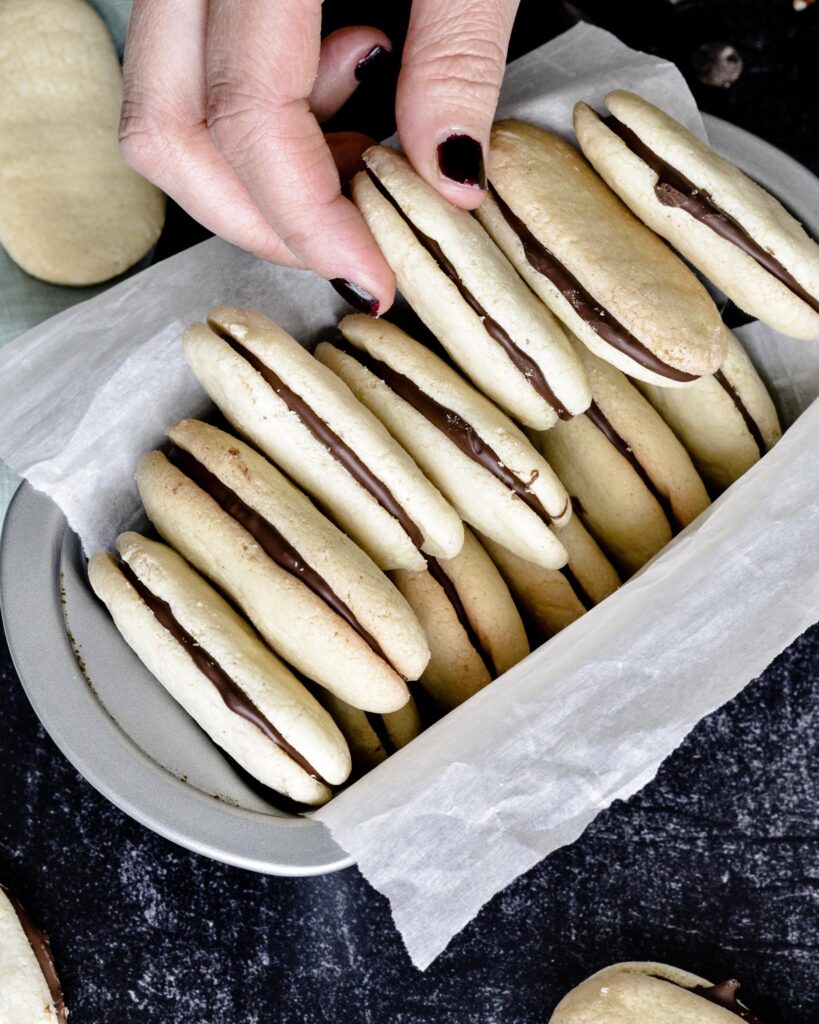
point(262, 57)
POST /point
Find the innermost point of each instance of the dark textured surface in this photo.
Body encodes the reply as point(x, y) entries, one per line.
point(714, 866)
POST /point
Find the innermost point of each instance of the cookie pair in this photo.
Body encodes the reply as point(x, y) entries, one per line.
point(631, 481)
point(307, 421)
point(217, 668)
point(30, 991)
point(473, 453)
point(651, 993)
point(726, 225)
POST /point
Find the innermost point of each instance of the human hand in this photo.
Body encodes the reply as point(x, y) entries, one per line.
point(222, 109)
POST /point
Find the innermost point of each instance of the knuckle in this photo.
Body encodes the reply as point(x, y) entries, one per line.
point(142, 135)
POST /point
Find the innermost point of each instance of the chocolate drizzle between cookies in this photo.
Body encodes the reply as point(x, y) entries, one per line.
point(233, 696)
point(272, 542)
point(524, 363)
point(327, 437)
point(601, 321)
point(674, 189)
point(595, 414)
point(439, 574)
point(41, 947)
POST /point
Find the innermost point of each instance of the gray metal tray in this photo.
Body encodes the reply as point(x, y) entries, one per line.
point(119, 727)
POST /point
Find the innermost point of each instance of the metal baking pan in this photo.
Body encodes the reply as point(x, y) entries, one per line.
point(119, 727)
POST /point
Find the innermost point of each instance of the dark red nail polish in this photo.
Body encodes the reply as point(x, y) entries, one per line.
point(372, 62)
point(460, 158)
point(358, 297)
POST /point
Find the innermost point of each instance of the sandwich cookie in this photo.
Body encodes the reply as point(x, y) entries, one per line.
point(217, 668)
point(305, 419)
point(611, 281)
point(316, 598)
point(725, 224)
point(631, 481)
point(473, 627)
point(471, 451)
point(552, 599)
point(373, 738)
point(727, 422)
point(30, 991)
point(651, 993)
point(466, 292)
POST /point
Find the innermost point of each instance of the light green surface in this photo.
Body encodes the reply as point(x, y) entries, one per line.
point(25, 301)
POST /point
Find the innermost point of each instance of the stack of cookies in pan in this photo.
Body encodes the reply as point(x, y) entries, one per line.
point(391, 525)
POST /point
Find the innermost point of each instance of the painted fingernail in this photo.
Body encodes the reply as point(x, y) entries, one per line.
point(358, 297)
point(460, 158)
point(372, 62)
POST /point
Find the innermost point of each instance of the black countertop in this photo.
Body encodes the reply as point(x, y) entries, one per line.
point(713, 867)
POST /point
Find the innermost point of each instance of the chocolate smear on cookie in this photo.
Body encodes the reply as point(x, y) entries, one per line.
point(449, 422)
point(750, 422)
point(439, 574)
point(674, 189)
point(526, 365)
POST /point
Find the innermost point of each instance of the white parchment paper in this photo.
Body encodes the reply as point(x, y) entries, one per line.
point(523, 767)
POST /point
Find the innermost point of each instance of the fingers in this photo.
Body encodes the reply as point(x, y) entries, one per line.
point(347, 57)
point(453, 64)
point(163, 134)
point(261, 59)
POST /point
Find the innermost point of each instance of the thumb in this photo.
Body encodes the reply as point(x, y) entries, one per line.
point(453, 64)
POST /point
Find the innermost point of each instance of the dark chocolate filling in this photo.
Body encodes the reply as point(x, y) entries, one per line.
point(270, 540)
point(41, 947)
point(524, 363)
point(750, 422)
point(577, 588)
point(448, 421)
point(582, 302)
point(674, 189)
point(723, 994)
point(231, 693)
point(597, 417)
point(438, 573)
point(379, 727)
point(339, 449)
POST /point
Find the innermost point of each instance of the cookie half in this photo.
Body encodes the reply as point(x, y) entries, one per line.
point(651, 993)
point(307, 421)
point(211, 662)
point(727, 422)
point(726, 225)
point(474, 630)
point(631, 481)
point(372, 738)
point(552, 599)
point(318, 599)
point(472, 452)
point(30, 991)
point(611, 281)
point(466, 292)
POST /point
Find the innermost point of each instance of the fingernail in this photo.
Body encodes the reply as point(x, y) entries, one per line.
point(372, 62)
point(460, 158)
point(358, 297)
